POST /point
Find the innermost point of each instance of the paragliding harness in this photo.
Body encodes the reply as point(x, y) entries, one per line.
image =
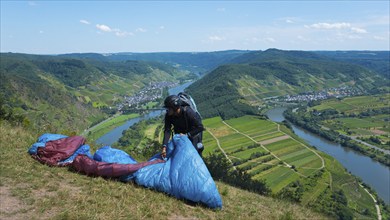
point(188, 102)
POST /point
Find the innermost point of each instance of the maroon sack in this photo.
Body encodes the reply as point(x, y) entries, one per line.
point(84, 164)
point(58, 150)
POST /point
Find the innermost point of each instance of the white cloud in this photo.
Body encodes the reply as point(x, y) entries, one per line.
point(380, 38)
point(41, 32)
point(161, 27)
point(103, 27)
point(289, 21)
point(221, 9)
point(216, 38)
point(329, 25)
point(354, 37)
point(261, 40)
point(339, 26)
point(302, 38)
point(116, 31)
point(84, 21)
point(140, 30)
point(358, 30)
point(123, 33)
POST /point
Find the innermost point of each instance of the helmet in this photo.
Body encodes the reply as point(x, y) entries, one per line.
point(172, 101)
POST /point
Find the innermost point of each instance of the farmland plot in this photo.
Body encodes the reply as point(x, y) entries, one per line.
point(234, 142)
point(282, 161)
point(277, 153)
point(210, 144)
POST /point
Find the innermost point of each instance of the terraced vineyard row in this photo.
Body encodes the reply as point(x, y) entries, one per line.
point(266, 152)
point(260, 148)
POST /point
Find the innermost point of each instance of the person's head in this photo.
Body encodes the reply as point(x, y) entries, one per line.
point(172, 103)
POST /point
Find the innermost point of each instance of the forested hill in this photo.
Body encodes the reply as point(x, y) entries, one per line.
point(235, 89)
point(378, 61)
point(196, 62)
point(53, 92)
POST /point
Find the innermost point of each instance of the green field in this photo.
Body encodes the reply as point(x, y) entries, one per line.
point(361, 116)
point(355, 104)
point(210, 144)
point(242, 133)
point(282, 160)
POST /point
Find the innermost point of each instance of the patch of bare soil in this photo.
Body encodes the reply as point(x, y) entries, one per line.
point(10, 206)
point(177, 217)
point(269, 141)
point(376, 131)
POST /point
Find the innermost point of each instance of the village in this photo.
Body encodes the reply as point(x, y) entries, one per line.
point(150, 93)
point(338, 92)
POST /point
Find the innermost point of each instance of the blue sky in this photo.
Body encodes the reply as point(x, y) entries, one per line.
point(54, 27)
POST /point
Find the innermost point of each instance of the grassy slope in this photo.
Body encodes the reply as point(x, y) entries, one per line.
point(35, 191)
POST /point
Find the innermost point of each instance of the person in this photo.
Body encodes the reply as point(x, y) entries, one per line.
point(184, 120)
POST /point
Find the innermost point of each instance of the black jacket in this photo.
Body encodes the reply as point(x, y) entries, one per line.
point(188, 122)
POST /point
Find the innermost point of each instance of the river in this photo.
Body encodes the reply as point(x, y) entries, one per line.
point(116, 133)
point(373, 173)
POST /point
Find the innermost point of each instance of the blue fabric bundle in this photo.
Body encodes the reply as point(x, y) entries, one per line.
point(41, 142)
point(111, 155)
point(83, 149)
point(184, 175)
point(43, 139)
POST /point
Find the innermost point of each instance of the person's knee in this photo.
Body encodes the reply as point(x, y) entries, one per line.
point(199, 148)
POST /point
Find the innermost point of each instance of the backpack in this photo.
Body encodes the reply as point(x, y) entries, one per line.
point(187, 100)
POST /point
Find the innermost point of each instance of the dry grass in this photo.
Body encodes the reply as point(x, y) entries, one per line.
point(30, 190)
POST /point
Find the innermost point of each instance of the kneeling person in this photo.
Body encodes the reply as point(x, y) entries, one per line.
point(184, 120)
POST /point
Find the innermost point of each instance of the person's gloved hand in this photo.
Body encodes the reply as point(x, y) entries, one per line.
point(164, 152)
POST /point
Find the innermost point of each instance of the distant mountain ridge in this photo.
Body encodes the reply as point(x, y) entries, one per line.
point(196, 62)
point(260, 74)
point(378, 61)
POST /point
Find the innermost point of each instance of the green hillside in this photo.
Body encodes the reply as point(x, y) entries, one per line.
point(50, 91)
point(377, 61)
point(258, 75)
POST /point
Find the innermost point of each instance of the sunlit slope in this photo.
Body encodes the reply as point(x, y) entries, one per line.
point(254, 76)
point(57, 92)
point(269, 151)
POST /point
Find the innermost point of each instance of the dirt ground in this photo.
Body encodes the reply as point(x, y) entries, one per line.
point(269, 141)
point(10, 206)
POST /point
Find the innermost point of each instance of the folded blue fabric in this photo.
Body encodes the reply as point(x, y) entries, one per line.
point(41, 142)
point(184, 175)
point(111, 155)
point(43, 139)
point(83, 149)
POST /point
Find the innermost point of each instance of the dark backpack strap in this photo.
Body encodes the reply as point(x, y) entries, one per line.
point(185, 117)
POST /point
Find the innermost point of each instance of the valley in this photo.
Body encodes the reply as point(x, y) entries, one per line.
point(232, 97)
point(269, 151)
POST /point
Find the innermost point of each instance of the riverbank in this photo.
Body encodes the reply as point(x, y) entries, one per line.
point(94, 132)
point(313, 125)
point(112, 136)
point(373, 173)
